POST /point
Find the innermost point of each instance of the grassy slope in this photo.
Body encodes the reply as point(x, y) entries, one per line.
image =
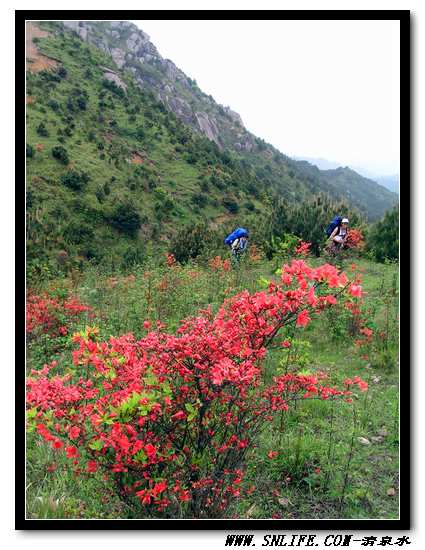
point(55, 206)
point(289, 485)
point(291, 178)
point(102, 142)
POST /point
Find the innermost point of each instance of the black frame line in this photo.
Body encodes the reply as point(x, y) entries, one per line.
point(247, 525)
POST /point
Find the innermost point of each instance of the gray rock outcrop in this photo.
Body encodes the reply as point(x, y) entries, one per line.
point(131, 49)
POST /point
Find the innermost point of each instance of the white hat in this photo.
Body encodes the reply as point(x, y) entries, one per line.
point(345, 220)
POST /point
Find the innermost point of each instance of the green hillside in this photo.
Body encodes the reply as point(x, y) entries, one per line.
point(116, 149)
point(110, 170)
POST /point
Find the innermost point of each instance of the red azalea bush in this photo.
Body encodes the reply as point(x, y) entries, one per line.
point(171, 418)
point(355, 239)
point(303, 248)
point(50, 315)
point(218, 264)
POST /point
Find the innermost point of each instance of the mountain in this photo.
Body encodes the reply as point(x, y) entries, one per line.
point(390, 182)
point(123, 149)
point(345, 183)
point(131, 50)
point(321, 163)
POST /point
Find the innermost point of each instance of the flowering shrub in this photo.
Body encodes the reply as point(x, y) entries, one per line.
point(218, 264)
point(50, 315)
point(376, 343)
point(171, 260)
point(355, 239)
point(303, 248)
point(254, 253)
point(171, 418)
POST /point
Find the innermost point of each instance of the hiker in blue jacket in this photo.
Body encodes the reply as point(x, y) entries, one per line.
point(238, 247)
point(238, 242)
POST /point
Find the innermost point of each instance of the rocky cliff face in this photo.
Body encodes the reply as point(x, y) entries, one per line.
point(131, 49)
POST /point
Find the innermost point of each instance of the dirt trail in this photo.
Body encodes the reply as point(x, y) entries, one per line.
point(136, 159)
point(35, 60)
point(218, 220)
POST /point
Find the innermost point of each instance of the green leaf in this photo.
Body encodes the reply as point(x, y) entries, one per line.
point(111, 374)
point(96, 445)
point(140, 456)
point(150, 379)
point(305, 372)
point(165, 387)
point(31, 413)
point(193, 412)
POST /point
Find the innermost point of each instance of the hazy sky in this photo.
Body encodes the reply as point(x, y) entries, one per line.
point(325, 89)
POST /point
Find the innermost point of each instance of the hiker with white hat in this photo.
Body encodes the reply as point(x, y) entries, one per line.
point(340, 233)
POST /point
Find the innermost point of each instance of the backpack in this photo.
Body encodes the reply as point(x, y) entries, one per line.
point(236, 234)
point(243, 243)
point(336, 222)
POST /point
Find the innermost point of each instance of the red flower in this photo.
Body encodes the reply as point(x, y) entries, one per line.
point(184, 496)
point(144, 496)
point(303, 319)
point(92, 466)
point(71, 451)
point(303, 248)
point(150, 451)
point(170, 260)
point(57, 444)
point(178, 416)
point(159, 488)
point(74, 432)
point(272, 454)
point(355, 290)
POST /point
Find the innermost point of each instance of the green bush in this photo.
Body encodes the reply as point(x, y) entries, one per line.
point(82, 103)
point(53, 104)
point(133, 255)
point(164, 200)
point(231, 205)
point(125, 218)
point(193, 241)
point(75, 180)
point(110, 85)
point(29, 151)
point(140, 133)
point(70, 104)
point(78, 232)
point(205, 187)
point(42, 130)
point(309, 219)
point(61, 154)
point(200, 199)
point(383, 238)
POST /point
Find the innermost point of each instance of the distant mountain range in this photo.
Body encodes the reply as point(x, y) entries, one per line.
point(390, 182)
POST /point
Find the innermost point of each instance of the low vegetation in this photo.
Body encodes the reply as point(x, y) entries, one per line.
point(131, 415)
